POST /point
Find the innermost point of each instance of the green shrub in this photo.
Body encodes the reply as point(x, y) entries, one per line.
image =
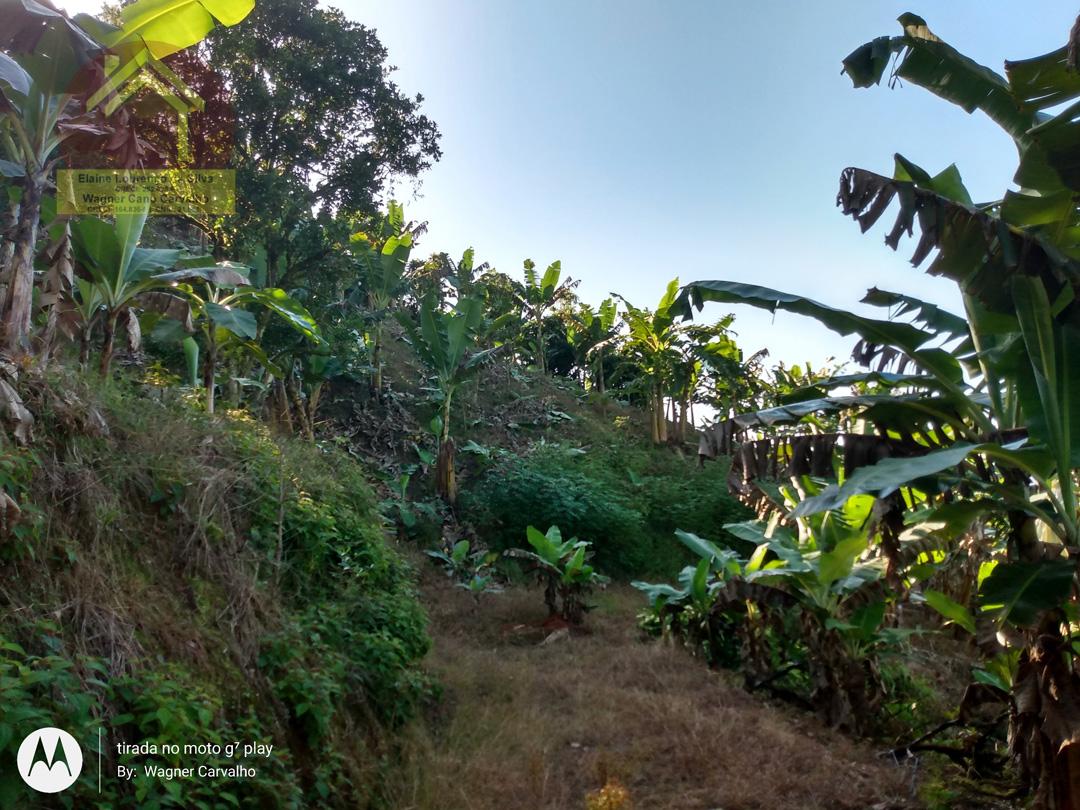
point(626, 498)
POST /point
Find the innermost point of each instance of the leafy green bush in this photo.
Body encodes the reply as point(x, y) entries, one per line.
point(626, 498)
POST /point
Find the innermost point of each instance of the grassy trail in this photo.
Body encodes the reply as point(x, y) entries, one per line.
point(525, 725)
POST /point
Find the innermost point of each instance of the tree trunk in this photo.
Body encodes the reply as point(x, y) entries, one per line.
point(656, 416)
point(1044, 729)
point(59, 282)
point(84, 346)
point(307, 429)
point(600, 372)
point(662, 413)
point(376, 361)
point(540, 346)
point(7, 247)
point(280, 408)
point(210, 368)
point(313, 406)
point(107, 345)
point(445, 477)
point(20, 292)
point(683, 408)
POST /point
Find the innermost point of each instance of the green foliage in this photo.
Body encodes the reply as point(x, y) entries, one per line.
point(623, 497)
point(805, 611)
point(471, 568)
point(327, 610)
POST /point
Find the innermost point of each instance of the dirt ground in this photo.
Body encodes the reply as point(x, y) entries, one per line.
point(525, 724)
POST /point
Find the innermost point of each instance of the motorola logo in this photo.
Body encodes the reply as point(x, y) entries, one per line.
point(49, 760)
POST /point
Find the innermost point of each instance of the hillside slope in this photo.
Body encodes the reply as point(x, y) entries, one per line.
point(175, 579)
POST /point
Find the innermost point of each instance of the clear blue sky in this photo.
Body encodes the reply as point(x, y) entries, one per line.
point(638, 140)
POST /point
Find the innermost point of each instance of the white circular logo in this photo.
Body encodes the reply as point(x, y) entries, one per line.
point(49, 760)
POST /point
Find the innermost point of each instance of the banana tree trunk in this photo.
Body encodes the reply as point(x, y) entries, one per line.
point(662, 413)
point(279, 403)
point(376, 361)
point(20, 292)
point(7, 247)
point(313, 407)
point(109, 343)
point(683, 408)
point(1044, 724)
point(210, 368)
point(1044, 728)
point(84, 345)
point(656, 416)
point(307, 428)
point(60, 281)
point(540, 346)
point(445, 477)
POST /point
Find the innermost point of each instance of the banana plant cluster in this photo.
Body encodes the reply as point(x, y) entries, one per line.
point(803, 614)
point(986, 402)
point(383, 256)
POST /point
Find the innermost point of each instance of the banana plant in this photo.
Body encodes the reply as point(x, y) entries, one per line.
point(471, 568)
point(39, 109)
point(564, 570)
point(1017, 264)
point(34, 109)
point(819, 572)
point(383, 256)
point(538, 296)
point(119, 272)
point(654, 340)
point(444, 341)
point(590, 333)
point(216, 298)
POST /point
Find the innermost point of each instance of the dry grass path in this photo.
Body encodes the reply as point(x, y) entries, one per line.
point(525, 726)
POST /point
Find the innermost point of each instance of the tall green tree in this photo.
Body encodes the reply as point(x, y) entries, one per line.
point(320, 124)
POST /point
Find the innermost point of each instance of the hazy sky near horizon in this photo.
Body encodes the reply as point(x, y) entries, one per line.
point(639, 140)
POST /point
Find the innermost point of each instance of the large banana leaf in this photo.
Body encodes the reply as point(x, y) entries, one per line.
point(939, 320)
point(892, 333)
point(890, 474)
point(110, 254)
point(168, 26)
point(1052, 402)
point(14, 82)
point(52, 47)
point(1021, 591)
point(976, 248)
point(238, 321)
point(918, 406)
point(927, 61)
point(906, 338)
point(284, 306)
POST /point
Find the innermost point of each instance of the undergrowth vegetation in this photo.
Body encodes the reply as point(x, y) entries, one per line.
point(621, 495)
point(180, 579)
